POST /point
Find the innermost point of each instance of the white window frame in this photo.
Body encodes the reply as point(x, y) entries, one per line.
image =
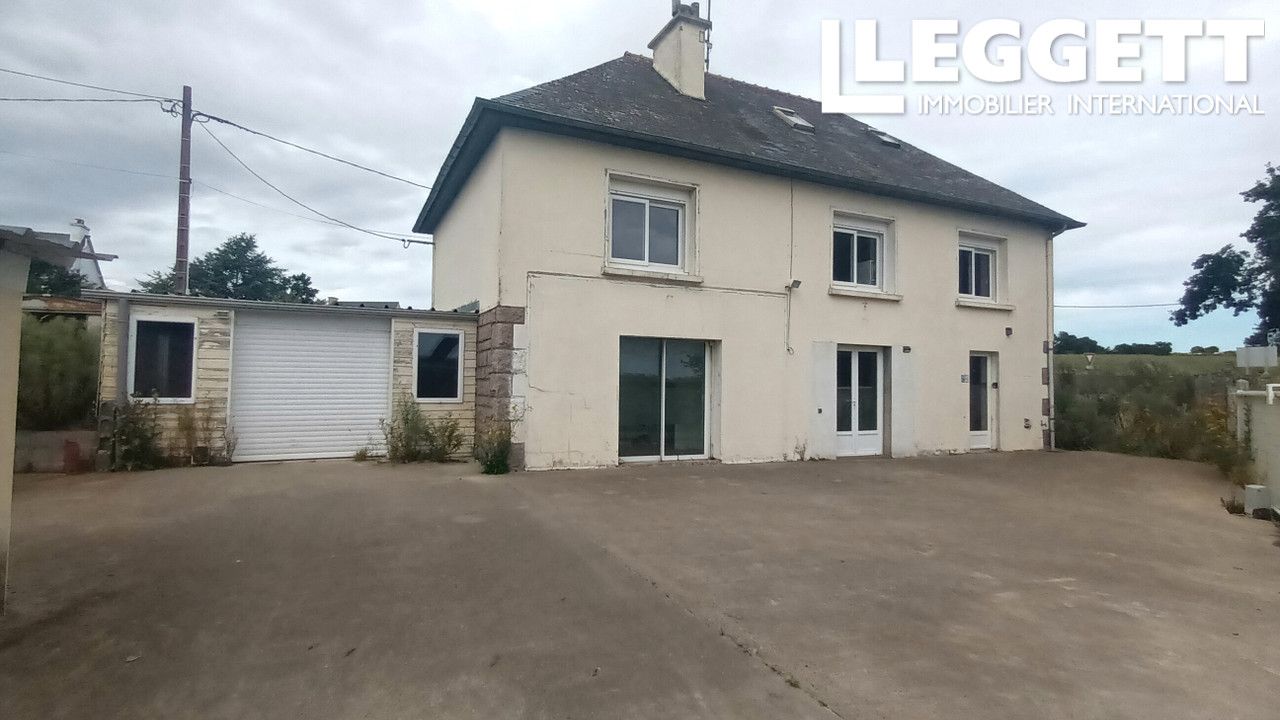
point(645, 190)
point(191, 320)
point(462, 362)
point(647, 202)
point(980, 248)
point(855, 231)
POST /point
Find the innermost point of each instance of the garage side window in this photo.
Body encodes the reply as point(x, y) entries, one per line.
point(439, 365)
point(163, 360)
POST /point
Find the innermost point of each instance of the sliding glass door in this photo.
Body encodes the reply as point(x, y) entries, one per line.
point(662, 399)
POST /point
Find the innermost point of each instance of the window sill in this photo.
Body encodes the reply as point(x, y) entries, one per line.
point(164, 401)
point(676, 277)
point(983, 305)
point(864, 294)
point(437, 401)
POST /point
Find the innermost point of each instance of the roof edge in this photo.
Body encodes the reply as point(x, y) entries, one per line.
point(236, 304)
point(489, 116)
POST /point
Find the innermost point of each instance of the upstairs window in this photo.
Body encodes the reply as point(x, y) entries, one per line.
point(857, 257)
point(977, 272)
point(163, 360)
point(438, 371)
point(649, 225)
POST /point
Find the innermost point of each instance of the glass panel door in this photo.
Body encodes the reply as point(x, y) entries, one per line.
point(685, 401)
point(859, 401)
point(662, 398)
point(981, 385)
point(978, 393)
point(844, 391)
point(639, 397)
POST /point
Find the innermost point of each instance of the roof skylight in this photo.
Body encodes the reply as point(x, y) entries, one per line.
point(793, 119)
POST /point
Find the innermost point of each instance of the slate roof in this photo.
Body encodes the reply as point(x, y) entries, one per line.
point(626, 102)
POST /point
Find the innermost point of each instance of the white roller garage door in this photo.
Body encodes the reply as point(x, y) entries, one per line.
point(308, 385)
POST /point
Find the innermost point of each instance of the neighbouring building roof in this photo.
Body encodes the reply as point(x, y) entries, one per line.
point(626, 102)
point(57, 248)
point(54, 305)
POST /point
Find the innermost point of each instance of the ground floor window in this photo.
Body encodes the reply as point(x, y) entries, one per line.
point(662, 398)
point(163, 360)
point(438, 359)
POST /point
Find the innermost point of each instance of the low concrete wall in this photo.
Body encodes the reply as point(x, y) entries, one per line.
point(55, 451)
point(1264, 436)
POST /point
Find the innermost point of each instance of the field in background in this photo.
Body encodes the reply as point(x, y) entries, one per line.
point(1180, 362)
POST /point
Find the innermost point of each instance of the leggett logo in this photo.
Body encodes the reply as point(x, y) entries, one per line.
point(1057, 51)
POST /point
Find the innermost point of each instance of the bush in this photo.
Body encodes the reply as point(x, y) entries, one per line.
point(410, 437)
point(135, 436)
point(1152, 410)
point(493, 449)
point(57, 374)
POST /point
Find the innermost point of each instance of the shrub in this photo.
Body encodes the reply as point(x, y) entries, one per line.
point(362, 455)
point(57, 374)
point(410, 437)
point(135, 437)
point(1152, 410)
point(493, 449)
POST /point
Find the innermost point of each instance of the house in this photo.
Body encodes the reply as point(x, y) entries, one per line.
point(247, 380)
point(670, 264)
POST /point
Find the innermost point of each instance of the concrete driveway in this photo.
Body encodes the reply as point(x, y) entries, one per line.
point(986, 586)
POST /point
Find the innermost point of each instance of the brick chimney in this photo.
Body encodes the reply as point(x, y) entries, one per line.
point(680, 50)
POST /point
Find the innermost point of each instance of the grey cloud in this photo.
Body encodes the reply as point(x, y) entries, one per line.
point(389, 84)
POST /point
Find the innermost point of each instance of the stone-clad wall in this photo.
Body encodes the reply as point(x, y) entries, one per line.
point(498, 363)
point(402, 371)
point(182, 425)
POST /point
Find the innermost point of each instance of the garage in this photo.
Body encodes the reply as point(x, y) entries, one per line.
point(308, 385)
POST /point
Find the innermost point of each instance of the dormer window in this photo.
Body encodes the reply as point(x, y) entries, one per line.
point(792, 118)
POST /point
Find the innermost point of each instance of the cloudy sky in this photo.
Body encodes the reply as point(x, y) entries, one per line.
point(388, 83)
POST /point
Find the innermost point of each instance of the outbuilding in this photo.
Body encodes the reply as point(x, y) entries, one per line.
point(247, 380)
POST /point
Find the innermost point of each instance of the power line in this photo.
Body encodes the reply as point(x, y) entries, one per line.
point(85, 85)
point(1117, 307)
point(203, 117)
point(255, 203)
point(89, 165)
point(299, 203)
point(85, 100)
point(163, 176)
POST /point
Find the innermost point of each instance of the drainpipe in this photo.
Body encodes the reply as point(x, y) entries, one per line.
point(1048, 273)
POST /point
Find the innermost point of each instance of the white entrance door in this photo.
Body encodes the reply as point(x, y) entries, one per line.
point(983, 387)
point(859, 401)
point(308, 385)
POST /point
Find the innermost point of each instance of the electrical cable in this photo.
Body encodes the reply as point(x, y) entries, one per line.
point(1117, 307)
point(386, 236)
point(204, 117)
point(84, 85)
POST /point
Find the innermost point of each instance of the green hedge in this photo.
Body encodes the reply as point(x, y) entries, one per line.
point(57, 374)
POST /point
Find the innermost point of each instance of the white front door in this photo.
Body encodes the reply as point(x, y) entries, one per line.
point(859, 401)
point(982, 401)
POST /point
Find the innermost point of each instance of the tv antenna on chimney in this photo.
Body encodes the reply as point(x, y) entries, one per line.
point(708, 35)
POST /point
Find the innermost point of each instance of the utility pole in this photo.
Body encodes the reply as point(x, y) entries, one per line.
point(181, 277)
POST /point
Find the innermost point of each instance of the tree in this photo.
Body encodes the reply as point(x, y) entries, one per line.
point(45, 278)
point(237, 269)
point(1064, 343)
point(1155, 348)
point(1242, 280)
